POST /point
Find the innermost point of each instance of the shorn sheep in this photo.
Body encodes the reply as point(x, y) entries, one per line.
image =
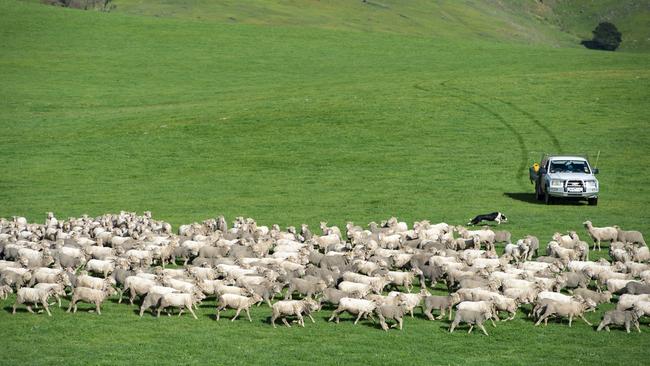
point(599, 234)
point(296, 308)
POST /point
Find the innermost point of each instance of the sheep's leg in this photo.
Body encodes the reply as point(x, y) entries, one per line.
point(192, 311)
point(627, 327)
point(471, 326)
point(248, 314)
point(493, 324)
point(268, 302)
point(428, 314)
point(13, 311)
point(29, 308)
point(401, 322)
point(483, 329)
point(98, 307)
point(58, 299)
point(601, 326)
point(236, 314)
point(451, 310)
point(570, 319)
point(583, 318)
point(180, 311)
point(284, 320)
point(453, 326)
point(541, 318)
point(158, 312)
point(71, 305)
point(47, 308)
point(133, 295)
point(312, 319)
point(636, 324)
point(219, 311)
point(301, 320)
point(607, 328)
point(358, 317)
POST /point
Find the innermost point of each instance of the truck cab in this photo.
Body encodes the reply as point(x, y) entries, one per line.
point(564, 176)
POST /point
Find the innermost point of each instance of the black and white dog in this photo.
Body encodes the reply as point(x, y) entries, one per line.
point(494, 216)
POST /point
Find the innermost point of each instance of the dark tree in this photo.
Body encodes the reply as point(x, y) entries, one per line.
point(606, 37)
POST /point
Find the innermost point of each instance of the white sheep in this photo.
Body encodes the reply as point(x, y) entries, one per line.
point(104, 267)
point(177, 300)
point(360, 289)
point(237, 302)
point(484, 307)
point(27, 295)
point(57, 290)
point(286, 308)
point(599, 234)
point(359, 307)
point(90, 295)
point(627, 301)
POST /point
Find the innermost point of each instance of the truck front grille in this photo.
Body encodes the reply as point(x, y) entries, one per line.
point(574, 186)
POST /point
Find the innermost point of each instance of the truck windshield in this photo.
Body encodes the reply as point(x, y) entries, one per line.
point(569, 166)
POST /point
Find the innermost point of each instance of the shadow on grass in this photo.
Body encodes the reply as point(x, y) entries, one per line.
point(530, 198)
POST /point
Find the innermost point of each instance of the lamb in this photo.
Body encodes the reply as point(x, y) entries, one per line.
point(516, 251)
point(359, 307)
point(442, 303)
point(94, 282)
point(502, 236)
point(91, 296)
point(571, 280)
point(599, 234)
point(49, 275)
point(33, 296)
point(616, 286)
point(398, 278)
point(472, 318)
point(621, 317)
point(179, 300)
point(334, 296)
point(564, 254)
point(267, 291)
point(104, 267)
point(237, 302)
point(570, 309)
point(294, 307)
point(632, 236)
point(394, 312)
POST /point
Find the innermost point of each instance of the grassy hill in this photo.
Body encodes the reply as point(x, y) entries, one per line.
point(552, 22)
point(288, 124)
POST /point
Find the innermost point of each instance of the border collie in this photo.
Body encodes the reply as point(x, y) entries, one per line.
point(494, 216)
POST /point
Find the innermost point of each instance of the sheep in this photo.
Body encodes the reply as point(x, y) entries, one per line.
point(394, 312)
point(570, 309)
point(33, 296)
point(620, 317)
point(516, 251)
point(334, 296)
point(266, 291)
point(502, 236)
point(286, 308)
point(627, 301)
point(49, 275)
point(412, 300)
point(442, 303)
point(305, 286)
point(472, 318)
point(57, 290)
point(237, 302)
point(642, 307)
point(599, 234)
point(636, 288)
point(91, 296)
point(360, 289)
point(397, 278)
point(554, 249)
point(136, 286)
point(179, 300)
point(104, 267)
point(153, 297)
point(5, 291)
point(94, 282)
point(640, 254)
point(596, 297)
point(360, 307)
point(615, 286)
point(522, 295)
point(632, 236)
point(571, 280)
point(484, 307)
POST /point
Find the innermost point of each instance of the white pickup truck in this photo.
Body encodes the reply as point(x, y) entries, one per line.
point(564, 176)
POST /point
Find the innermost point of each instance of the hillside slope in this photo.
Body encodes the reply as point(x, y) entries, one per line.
point(551, 22)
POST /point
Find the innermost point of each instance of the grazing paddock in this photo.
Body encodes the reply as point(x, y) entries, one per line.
point(189, 119)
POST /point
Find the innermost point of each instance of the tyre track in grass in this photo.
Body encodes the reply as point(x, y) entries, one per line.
point(523, 164)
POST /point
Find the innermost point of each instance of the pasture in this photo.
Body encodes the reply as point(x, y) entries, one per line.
point(191, 119)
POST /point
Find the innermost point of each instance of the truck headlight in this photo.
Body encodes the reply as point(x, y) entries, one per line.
point(556, 183)
point(591, 184)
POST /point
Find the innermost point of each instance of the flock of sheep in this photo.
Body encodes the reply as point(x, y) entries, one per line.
point(366, 272)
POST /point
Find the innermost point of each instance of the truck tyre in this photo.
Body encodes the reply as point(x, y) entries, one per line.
point(592, 201)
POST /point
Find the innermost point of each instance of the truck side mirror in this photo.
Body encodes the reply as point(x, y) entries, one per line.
point(596, 171)
point(542, 170)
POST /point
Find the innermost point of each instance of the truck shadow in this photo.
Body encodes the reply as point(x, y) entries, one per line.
point(530, 198)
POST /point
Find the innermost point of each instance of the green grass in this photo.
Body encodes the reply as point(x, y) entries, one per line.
point(291, 124)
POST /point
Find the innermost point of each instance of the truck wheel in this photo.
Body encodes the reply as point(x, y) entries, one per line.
point(592, 201)
point(547, 198)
